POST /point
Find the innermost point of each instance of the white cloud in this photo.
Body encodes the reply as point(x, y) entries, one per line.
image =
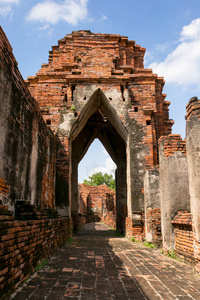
point(70, 11)
point(162, 47)
point(9, 1)
point(103, 18)
point(109, 169)
point(46, 29)
point(182, 65)
point(6, 7)
point(42, 28)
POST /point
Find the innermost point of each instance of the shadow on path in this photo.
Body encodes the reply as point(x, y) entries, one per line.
point(96, 229)
point(98, 265)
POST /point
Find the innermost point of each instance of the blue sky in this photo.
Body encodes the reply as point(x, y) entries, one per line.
point(168, 29)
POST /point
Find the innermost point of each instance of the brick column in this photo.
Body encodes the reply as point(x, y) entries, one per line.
point(193, 157)
point(152, 206)
point(174, 186)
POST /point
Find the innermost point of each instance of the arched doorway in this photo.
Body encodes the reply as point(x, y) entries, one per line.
point(98, 119)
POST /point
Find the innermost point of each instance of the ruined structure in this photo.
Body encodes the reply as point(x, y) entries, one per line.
point(94, 86)
point(97, 203)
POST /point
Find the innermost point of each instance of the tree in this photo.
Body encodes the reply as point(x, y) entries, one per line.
point(100, 178)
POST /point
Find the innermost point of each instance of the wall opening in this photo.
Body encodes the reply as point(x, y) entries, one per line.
point(99, 120)
point(97, 202)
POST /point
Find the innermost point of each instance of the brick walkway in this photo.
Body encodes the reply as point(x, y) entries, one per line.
point(98, 265)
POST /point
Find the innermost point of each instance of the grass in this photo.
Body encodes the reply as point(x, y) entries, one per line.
point(69, 240)
point(41, 265)
point(148, 244)
point(132, 239)
point(171, 253)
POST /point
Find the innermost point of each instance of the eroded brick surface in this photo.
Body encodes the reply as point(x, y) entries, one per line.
point(27, 146)
point(153, 220)
point(184, 236)
point(94, 266)
point(97, 203)
point(23, 244)
point(80, 65)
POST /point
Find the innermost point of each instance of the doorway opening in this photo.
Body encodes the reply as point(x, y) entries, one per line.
point(98, 119)
point(97, 197)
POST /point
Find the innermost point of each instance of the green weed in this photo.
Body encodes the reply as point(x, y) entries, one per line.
point(171, 253)
point(148, 244)
point(69, 240)
point(41, 265)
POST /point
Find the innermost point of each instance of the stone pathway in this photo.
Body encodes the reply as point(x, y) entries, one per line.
point(97, 265)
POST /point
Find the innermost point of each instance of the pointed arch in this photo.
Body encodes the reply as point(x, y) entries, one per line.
point(98, 119)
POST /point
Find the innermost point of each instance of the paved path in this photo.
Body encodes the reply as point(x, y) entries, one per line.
point(97, 265)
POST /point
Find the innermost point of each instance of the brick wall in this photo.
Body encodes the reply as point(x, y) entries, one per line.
point(27, 146)
point(173, 184)
point(184, 236)
point(23, 244)
point(97, 203)
point(196, 252)
point(135, 226)
point(153, 220)
point(172, 143)
point(193, 158)
point(84, 62)
point(4, 188)
point(152, 206)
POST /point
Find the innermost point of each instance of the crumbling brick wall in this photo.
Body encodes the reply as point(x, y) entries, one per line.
point(30, 228)
point(174, 185)
point(27, 146)
point(83, 63)
point(193, 158)
point(97, 203)
point(24, 244)
point(183, 236)
point(152, 206)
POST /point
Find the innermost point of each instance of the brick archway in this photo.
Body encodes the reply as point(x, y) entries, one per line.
point(99, 120)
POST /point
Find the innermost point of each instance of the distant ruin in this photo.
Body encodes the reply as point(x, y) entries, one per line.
point(94, 86)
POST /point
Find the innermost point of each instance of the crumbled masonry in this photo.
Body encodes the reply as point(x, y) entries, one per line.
point(93, 86)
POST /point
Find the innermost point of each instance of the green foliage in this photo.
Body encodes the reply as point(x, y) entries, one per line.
point(100, 178)
point(171, 253)
point(133, 239)
point(69, 240)
point(73, 107)
point(148, 244)
point(41, 265)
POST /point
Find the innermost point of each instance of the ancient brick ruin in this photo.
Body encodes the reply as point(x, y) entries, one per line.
point(97, 203)
point(94, 86)
point(114, 99)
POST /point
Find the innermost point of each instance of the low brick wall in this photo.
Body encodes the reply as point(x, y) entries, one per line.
point(197, 255)
point(109, 219)
point(184, 236)
point(81, 221)
point(135, 228)
point(23, 244)
point(154, 225)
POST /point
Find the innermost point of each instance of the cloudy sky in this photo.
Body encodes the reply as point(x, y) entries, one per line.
point(168, 29)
